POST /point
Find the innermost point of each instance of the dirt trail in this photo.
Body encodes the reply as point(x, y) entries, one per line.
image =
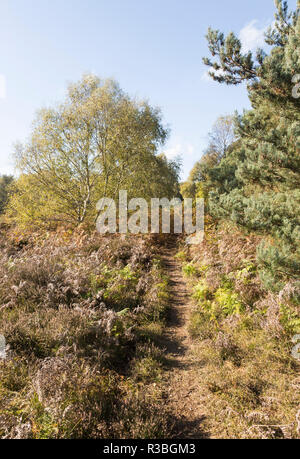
point(183, 394)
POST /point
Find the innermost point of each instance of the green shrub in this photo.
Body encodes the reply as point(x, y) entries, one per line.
point(202, 292)
point(229, 301)
point(290, 320)
point(189, 270)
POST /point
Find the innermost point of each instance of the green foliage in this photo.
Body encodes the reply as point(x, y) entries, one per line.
point(224, 300)
point(256, 185)
point(5, 183)
point(246, 272)
point(181, 255)
point(81, 314)
point(189, 269)
point(221, 139)
point(96, 143)
point(290, 320)
point(243, 340)
point(229, 301)
point(202, 291)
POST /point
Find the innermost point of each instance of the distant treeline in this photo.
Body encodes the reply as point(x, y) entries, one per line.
point(5, 182)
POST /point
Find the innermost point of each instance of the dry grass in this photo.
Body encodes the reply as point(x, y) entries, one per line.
point(242, 342)
point(78, 312)
point(84, 316)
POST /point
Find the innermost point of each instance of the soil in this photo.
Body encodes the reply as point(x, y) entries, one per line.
point(183, 393)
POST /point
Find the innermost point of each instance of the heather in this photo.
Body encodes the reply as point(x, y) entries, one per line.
point(78, 312)
point(242, 338)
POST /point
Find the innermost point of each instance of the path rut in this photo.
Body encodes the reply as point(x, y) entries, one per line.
point(183, 393)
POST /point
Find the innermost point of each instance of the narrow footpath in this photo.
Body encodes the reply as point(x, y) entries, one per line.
point(183, 393)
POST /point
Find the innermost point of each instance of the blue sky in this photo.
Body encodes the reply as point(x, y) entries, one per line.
point(154, 48)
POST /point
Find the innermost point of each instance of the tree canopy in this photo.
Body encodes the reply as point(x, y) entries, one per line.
point(221, 139)
point(5, 182)
point(96, 143)
point(257, 185)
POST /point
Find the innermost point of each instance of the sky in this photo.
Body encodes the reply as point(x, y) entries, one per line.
point(153, 48)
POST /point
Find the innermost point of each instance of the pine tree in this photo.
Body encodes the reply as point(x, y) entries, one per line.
point(258, 184)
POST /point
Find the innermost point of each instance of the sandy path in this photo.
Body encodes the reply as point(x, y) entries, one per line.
point(183, 394)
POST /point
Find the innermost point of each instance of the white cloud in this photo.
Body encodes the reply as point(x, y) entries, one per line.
point(205, 77)
point(179, 149)
point(2, 87)
point(252, 36)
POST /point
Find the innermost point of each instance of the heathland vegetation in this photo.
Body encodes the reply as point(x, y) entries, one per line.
point(86, 316)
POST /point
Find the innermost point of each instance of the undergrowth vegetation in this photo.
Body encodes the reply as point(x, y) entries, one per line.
point(244, 339)
point(81, 314)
